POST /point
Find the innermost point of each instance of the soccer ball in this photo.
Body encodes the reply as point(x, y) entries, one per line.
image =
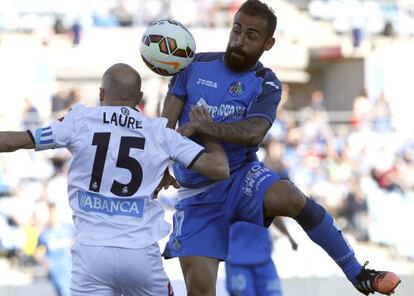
point(167, 47)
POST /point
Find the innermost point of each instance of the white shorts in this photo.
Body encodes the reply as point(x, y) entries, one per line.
point(111, 271)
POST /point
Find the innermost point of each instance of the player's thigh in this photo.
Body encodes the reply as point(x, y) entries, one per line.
point(239, 280)
point(201, 228)
point(247, 196)
point(200, 274)
point(92, 271)
point(283, 198)
point(266, 279)
point(142, 272)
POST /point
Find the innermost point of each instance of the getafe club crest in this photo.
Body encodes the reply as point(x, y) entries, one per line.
point(237, 88)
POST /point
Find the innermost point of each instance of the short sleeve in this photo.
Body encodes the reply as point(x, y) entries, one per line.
point(59, 134)
point(180, 148)
point(177, 86)
point(265, 105)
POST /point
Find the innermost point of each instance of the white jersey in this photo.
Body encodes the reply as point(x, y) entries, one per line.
point(119, 158)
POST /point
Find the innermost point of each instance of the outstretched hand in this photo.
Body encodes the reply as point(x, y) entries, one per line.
point(197, 115)
point(166, 182)
point(187, 129)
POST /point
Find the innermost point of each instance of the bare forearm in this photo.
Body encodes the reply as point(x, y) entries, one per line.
point(213, 163)
point(214, 148)
point(12, 141)
point(246, 132)
point(172, 110)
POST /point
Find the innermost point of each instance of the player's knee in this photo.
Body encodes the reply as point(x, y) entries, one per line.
point(200, 290)
point(199, 285)
point(283, 198)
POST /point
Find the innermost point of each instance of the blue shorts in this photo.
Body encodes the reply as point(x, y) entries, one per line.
point(202, 222)
point(253, 280)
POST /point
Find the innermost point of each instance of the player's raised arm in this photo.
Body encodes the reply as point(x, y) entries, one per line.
point(248, 132)
point(12, 141)
point(57, 135)
point(172, 109)
point(251, 130)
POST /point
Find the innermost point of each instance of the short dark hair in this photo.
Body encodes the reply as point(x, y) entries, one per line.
point(258, 8)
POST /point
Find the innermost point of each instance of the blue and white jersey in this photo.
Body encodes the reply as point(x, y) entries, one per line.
point(229, 97)
point(119, 158)
point(249, 244)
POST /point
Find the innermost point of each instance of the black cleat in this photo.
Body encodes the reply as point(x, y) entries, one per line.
point(371, 281)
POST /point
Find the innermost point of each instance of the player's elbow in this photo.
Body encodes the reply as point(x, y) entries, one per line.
point(256, 139)
point(213, 166)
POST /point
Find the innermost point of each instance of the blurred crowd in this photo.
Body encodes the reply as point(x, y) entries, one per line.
point(373, 17)
point(389, 18)
point(26, 15)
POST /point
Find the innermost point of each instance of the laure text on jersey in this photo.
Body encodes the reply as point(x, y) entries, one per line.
point(118, 119)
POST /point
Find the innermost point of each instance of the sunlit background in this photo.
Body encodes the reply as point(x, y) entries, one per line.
point(344, 132)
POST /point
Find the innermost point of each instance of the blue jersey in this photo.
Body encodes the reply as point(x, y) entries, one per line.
point(229, 96)
point(249, 244)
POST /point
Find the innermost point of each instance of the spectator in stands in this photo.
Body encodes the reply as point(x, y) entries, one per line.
point(59, 102)
point(31, 116)
point(76, 31)
point(31, 231)
point(388, 179)
point(355, 211)
point(121, 13)
point(361, 111)
point(315, 108)
point(74, 97)
point(54, 252)
point(381, 115)
point(58, 27)
point(4, 187)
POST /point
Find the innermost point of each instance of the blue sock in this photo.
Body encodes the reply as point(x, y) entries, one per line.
point(322, 230)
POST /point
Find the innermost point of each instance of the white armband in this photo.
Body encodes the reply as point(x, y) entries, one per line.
point(43, 138)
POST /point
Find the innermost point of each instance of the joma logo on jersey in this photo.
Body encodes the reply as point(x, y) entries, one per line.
point(90, 202)
point(208, 83)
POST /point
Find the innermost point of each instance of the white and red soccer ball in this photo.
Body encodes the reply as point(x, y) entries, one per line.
point(167, 47)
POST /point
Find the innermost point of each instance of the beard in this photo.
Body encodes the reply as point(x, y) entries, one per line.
point(239, 61)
